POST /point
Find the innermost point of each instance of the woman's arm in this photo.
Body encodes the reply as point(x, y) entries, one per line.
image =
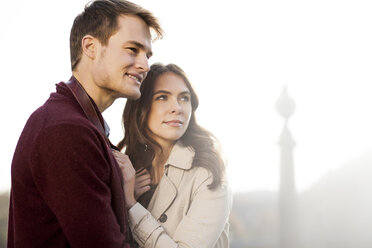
point(201, 227)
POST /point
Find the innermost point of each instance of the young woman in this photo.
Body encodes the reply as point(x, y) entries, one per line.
point(180, 198)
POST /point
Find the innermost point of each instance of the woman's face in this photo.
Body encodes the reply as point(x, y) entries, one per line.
point(171, 109)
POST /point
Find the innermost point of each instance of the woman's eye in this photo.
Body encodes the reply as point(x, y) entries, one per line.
point(185, 98)
point(161, 97)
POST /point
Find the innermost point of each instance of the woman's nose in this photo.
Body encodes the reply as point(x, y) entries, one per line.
point(176, 107)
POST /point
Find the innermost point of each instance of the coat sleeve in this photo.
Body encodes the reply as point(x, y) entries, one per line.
point(201, 227)
point(72, 173)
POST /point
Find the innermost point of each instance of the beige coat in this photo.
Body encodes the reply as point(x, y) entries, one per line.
point(183, 212)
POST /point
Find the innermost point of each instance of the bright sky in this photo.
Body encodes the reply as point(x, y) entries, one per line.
point(239, 55)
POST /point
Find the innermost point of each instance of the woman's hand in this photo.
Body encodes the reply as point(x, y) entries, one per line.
point(129, 176)
point(142, 184)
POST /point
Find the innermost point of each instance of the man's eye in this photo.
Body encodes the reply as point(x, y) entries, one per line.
point(133, 49)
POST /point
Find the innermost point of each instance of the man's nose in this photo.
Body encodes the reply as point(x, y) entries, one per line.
point(142, 63)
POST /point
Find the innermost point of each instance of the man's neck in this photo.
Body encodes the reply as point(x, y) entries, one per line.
point(99, 96)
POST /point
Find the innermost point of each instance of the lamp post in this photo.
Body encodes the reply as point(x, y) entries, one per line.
point(287, 190)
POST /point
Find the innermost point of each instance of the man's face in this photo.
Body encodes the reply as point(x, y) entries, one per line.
point(121, 65)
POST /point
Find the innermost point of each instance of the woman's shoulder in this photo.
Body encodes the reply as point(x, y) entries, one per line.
point(201, 178)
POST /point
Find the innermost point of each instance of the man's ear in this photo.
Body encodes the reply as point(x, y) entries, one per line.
point(89, 46)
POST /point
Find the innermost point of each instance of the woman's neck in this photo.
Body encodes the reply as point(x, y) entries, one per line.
point(161, 157)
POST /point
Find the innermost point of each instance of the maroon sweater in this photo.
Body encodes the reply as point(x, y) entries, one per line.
point(66, 185)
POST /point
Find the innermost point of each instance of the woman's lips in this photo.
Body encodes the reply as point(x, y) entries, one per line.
point(174, 123)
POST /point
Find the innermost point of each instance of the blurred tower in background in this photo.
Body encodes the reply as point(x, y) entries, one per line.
point(287, 192)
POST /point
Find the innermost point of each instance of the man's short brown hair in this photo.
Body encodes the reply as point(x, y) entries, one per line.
point(100, 19)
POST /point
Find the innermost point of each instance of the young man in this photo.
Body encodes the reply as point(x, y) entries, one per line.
point(67, 188)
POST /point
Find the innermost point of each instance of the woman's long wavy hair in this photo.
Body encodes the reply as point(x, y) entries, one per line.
point(140, 147)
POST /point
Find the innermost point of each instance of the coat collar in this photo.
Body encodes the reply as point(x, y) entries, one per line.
point(181, 156)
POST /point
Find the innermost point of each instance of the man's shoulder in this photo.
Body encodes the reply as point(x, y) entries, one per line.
point(60, 117)
point(59, 113)
point(59, 109)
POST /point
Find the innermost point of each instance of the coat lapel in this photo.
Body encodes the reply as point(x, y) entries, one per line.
point(164, 195)
point(179, 160)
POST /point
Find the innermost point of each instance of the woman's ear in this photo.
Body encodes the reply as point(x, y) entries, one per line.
point(89, 46)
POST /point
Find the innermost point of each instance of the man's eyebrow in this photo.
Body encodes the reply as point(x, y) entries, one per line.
point(140, 46)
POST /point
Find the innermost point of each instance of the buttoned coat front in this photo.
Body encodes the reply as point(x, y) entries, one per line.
point(183, 211)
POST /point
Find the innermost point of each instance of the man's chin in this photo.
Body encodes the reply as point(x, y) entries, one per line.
point(134, 96)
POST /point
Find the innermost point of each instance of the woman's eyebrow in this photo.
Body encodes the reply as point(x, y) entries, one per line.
point(161, 91)
point(185, 92)
point(168, 92)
